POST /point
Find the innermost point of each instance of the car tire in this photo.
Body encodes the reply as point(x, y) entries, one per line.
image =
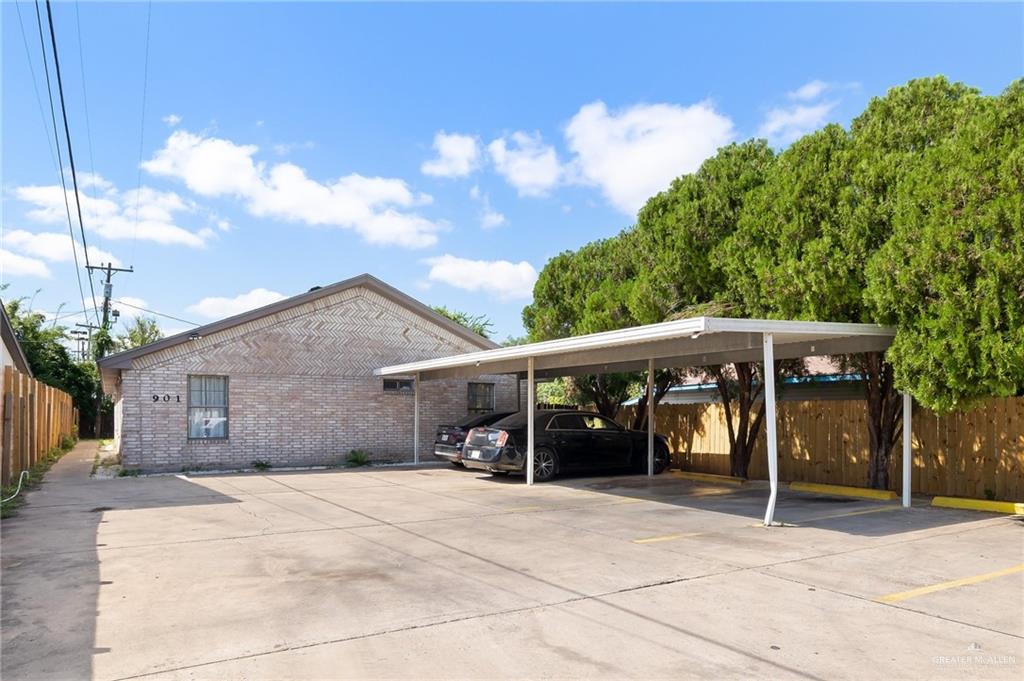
point(545, 464)
point(458, 464)
point(661, 459)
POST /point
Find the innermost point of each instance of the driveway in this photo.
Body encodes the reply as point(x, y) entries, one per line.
point(440, 573)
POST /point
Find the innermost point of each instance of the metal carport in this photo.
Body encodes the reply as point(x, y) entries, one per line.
point(697, 341)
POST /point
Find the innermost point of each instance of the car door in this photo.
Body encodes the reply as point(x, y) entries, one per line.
point(610, 443)
point(571, 439)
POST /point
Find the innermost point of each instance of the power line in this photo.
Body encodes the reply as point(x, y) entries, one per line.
point(60, 167)
point(159, 314)
point(71, 153)
point(85, 98)
point(142, 130)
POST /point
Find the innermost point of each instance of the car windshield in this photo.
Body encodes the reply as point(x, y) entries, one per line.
point(517, 420)
point(474, 420)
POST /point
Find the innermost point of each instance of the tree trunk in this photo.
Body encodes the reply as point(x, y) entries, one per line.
point(663, 380)
point(743, 434)
point(885, 417)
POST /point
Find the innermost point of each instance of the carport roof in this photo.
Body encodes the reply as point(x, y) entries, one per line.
point(697, 341)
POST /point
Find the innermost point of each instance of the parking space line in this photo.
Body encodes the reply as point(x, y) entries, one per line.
point(667, 537)
point(880, 509)
point(942, 586)
point(518, 509)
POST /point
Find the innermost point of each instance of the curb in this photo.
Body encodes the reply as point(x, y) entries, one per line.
point(709, 477)
point(844, 491)
point(1009, 507)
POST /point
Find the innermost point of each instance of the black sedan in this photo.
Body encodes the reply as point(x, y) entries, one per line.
point(564, 441)
point(449, 439)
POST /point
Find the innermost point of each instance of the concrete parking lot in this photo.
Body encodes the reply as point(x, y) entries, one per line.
point(440, 573)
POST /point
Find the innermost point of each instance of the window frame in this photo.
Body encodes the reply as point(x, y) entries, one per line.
point(480, 410)
point(398, 381)
point(189, 407)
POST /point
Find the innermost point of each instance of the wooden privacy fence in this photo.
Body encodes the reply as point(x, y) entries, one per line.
point(35, 418)
point(977, 453)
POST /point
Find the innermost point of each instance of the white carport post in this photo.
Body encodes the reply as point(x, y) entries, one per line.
point(769, 406)
point(416, 419)
point(650, 418)
point(907, 456)
point(531, 402)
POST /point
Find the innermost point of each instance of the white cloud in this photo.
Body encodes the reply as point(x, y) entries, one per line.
point(809, 90)
point(132, 301)
point(457, 156)
point(635, 153)
point(374, 207)
point(129, 306)
point(783, 125)
point(219, 307)
point(172, 119)
point(286, 148)
point(14, 265)
point(504, 279)
point(113, 215)
point(491, 219)
point(526, 162)
point(55, 247)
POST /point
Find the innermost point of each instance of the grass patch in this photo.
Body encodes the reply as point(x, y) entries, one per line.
point(34, 477)
point(128, 473)
point(357, 458)
point(261, 465)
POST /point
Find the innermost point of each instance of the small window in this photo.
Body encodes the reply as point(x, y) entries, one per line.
point(600, 423)
point(481, 397)
point(399, 385)
point(207, 407)
point(567, 422)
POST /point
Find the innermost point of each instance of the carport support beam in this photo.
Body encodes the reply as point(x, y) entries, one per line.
point(531, 402)
point(907, 455)
point(416, 420)
point(769, 407)
point(650, 418)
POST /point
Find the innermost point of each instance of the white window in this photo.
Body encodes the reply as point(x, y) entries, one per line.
point(481, 397)
point(207, 407)
point(399, 385)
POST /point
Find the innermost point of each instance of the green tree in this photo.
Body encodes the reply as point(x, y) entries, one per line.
point(478, 324)
point(587, 291)
point(43, 345)
point(951, 277)
point(141, 331)
point(679, 272)
point(804, 240)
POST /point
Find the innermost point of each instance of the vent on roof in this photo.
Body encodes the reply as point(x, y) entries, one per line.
point(315, 288)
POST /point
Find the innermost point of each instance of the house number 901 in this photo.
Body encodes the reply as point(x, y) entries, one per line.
point(166, 398)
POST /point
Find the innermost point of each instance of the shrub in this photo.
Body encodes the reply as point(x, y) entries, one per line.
point(260, 464)
point(357, 457)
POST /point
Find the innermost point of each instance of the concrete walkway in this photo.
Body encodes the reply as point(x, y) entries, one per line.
point(440, 573)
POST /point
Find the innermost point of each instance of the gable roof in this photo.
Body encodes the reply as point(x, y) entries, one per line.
point(10, 340)
point(123, 360)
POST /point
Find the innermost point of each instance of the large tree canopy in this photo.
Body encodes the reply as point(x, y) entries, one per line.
point(951, 277)
point(913, 217)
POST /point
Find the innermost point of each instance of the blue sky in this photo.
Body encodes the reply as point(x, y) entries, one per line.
point(448, 149)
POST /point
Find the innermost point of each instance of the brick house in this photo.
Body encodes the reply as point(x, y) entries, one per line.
point(292, 384)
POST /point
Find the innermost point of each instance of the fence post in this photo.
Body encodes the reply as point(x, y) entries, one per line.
point(7, 446)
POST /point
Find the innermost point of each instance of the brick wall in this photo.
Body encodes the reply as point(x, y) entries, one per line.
point(301, 389)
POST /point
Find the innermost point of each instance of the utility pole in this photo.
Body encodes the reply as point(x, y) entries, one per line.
point(103, 341)
point(108, 289)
